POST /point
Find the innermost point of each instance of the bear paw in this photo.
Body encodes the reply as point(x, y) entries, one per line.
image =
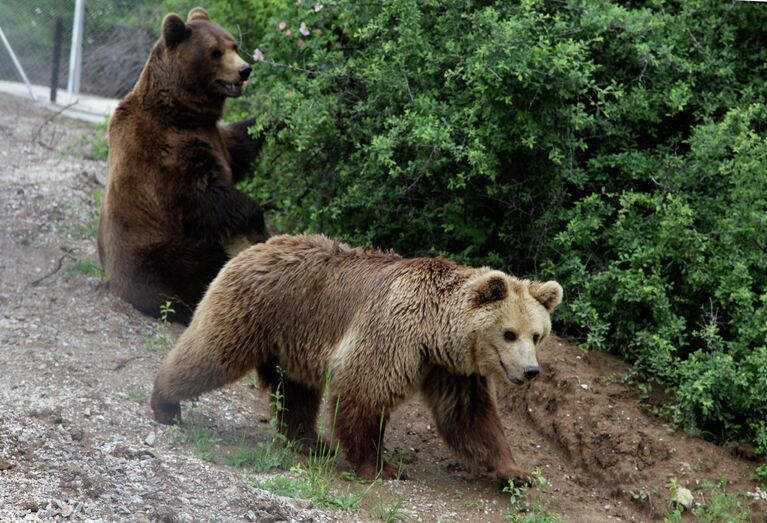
point(515, 475)
point(370, 472)
point(165, 411)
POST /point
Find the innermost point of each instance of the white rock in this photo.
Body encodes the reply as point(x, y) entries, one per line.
point(684, 497)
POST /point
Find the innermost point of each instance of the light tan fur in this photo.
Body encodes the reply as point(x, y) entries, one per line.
point(383, 326)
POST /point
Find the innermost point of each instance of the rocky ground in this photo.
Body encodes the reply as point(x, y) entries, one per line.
point(77, 440)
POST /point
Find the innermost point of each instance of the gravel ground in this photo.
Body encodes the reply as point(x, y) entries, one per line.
point(75, 441)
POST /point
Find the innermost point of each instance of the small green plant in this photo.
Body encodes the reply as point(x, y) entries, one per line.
point(165, 310)
point(474, 504)
point(312, 479)
point(273, 454)
point(720, 505)
point(137, 396)
point(203, 439)
point(87, 267)
point(760, 474)
point(314, 484)
point(267, 456)
point(638, 496)
point(675, 509)
point(389, 512)
point(527, 502)
point(160, 337)
point(94, 141)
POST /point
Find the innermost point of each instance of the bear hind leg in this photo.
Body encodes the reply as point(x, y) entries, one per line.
point(189, 370)
point(296, 407)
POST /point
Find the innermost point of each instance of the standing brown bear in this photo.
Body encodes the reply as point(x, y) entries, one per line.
point(382, 327)
point(171, 216)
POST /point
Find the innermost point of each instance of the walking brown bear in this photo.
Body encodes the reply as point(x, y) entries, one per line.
point(171, 216)
point(382, 327)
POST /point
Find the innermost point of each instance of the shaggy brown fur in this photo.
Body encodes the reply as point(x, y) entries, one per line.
point(171, 214)
point(382, 327)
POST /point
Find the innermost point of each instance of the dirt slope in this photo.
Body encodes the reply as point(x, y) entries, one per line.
point(76, 365)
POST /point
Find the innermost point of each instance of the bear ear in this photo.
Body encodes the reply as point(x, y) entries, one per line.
point(490, 288)
point(198, 13)
point(174, 30)
point(548, 294)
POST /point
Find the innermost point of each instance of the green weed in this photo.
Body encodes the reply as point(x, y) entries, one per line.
point(528, 504)
point(160, 338)
point(137, 396)
point(314, 484)
point(87, 267)
point(760, 474)
point(204, 440)
point(94, 142)
point(720, 505)
point(388, 513)
point(267, 456)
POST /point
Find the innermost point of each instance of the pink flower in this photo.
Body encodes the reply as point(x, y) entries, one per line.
point(317, 32)
point(282, 26)
point(303, 30)
point(258, 56)
point(288, 33)
point(318, 7)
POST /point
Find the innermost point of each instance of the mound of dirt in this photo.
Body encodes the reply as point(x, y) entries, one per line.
point(599, 426)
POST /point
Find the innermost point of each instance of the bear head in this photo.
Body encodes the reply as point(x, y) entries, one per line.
point(510, 318)
point(202, 57)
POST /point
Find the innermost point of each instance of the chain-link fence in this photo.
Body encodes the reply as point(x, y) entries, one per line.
point(115, 36)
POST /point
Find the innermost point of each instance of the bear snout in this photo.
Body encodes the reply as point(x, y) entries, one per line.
point(245, 71)
point(531, 371)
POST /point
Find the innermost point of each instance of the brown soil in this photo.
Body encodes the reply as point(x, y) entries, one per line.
point(77, 440)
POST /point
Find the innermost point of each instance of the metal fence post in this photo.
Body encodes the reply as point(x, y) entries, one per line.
point(17, 64)
point(76, 51)
point(56, 58)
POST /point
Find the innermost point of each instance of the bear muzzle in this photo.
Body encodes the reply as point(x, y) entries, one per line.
point(233, 89)
point(510, 375)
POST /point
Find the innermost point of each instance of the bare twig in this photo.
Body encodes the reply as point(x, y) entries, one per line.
point(36, 136)
point(124, 362)
point(56, 269)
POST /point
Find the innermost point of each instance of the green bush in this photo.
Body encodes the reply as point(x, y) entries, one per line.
point(617, 148)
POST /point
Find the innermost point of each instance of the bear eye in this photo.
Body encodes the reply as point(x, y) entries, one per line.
point(536, 337)
point(217, 54)
point(510, 336)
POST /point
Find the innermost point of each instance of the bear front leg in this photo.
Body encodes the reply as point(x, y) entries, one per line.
point(218, 213)
point(360, 431)
point(243, 148)
point(297, 409)
point(466, 416)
